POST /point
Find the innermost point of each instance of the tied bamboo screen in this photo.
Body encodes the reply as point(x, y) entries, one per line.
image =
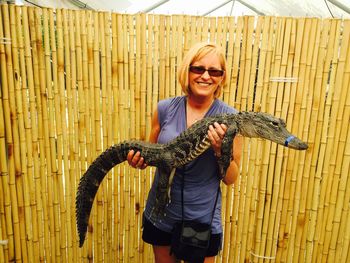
point(75, 82)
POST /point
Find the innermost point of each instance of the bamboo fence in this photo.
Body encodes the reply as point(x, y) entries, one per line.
point(75, 82)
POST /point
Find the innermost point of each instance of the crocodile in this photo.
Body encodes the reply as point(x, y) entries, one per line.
point(181, 150)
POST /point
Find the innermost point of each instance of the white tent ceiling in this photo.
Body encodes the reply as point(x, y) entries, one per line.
point(295, 8)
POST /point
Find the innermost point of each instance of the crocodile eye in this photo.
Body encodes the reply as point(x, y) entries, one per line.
point(275, 123)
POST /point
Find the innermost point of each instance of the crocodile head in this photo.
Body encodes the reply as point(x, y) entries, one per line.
point(266, 126)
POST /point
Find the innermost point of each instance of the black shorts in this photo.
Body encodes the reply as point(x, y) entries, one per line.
point(157, 237)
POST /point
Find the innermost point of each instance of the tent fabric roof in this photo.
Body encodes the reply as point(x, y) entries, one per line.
point(294, 8)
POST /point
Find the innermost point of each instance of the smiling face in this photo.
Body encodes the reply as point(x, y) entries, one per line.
point(207, 56)
point(204, 85)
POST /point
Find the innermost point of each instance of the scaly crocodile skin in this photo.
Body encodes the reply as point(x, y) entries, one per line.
point(181, 150)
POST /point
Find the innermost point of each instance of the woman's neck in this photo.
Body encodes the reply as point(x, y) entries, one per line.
point(196, 109)
point(199, 104)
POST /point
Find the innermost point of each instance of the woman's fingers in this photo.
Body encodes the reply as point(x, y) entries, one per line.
point(216, 133)
point(136, 160)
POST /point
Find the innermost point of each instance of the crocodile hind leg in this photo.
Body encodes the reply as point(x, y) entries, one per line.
point(226, 150)
point(162, 198)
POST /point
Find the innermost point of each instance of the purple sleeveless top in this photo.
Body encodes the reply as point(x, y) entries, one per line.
point(201, 180)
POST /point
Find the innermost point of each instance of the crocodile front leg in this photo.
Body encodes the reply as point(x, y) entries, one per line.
point(226, 150)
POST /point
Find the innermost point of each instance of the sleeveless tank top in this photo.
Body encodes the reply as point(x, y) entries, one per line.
point(201, 176)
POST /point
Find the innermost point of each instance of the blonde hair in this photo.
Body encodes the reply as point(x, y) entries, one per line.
point(197, 52)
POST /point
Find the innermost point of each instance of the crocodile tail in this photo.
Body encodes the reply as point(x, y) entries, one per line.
point(90, 182)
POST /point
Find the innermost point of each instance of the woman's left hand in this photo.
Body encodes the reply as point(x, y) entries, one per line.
point(216, 133)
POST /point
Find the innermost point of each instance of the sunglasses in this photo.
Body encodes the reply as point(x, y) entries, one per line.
point(212, 72)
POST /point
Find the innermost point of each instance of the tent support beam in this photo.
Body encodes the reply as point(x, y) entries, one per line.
point(340, 5)
point(242, 2)
point(150, 8)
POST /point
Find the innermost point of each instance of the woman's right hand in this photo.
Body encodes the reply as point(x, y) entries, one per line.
point(135, 160)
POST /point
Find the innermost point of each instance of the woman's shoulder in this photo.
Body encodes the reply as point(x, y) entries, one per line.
point(171, 104)
point(173, 101)
point(167, 108)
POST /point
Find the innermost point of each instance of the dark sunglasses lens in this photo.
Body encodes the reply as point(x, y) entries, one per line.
point(212, 72)
point(215, 72)
point(197, 70)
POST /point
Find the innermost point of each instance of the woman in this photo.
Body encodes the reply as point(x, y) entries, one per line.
point(202, 76)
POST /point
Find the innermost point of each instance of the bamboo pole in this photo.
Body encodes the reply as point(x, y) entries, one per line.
point(91, 130)
point(265, 155)
point(67, 125)
point(235, 64)
point(172, 57)
point(342, 240)
point(319, 96)
point(121, 94)
point(212, 28)
point(81, 113)
point(168, 73)
point(287, 105)
point(179, 49)
point(337, 239)
point(98, 251)
point(132, 172)
point(229, 202)
point(342, 253)
point(143, 76)
point(246, 246)
point(2, 223)
point(124, 119)
point(41, 180)
point(326, 187)
point(323, 122)
point(205, 29)
point(56, 152)
point(244, 183)
point(39, 109)
point(115, 128)
point(302, 47)
point(73, 137)
point(50, 147)
point(311, 120)
point(290, 172)
point(222, 33)
point(229, 58)
point(279, 167)
point(138, 183)
point(85, 140)
point(155, 68)
point(149, 88)
point(236, 58)
point(5, 160)
point(11, 132)
point(109, 198)
point(25, 185)
point(271, 150)
point(196, 29)
point(62, 148)
point(255, 159)
point(179, 42)
point(337, 111)
point(162, 56)
point(103, 78)
point(303, 217)
point(138, 75)
point(72, 133)
point(187, 33)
